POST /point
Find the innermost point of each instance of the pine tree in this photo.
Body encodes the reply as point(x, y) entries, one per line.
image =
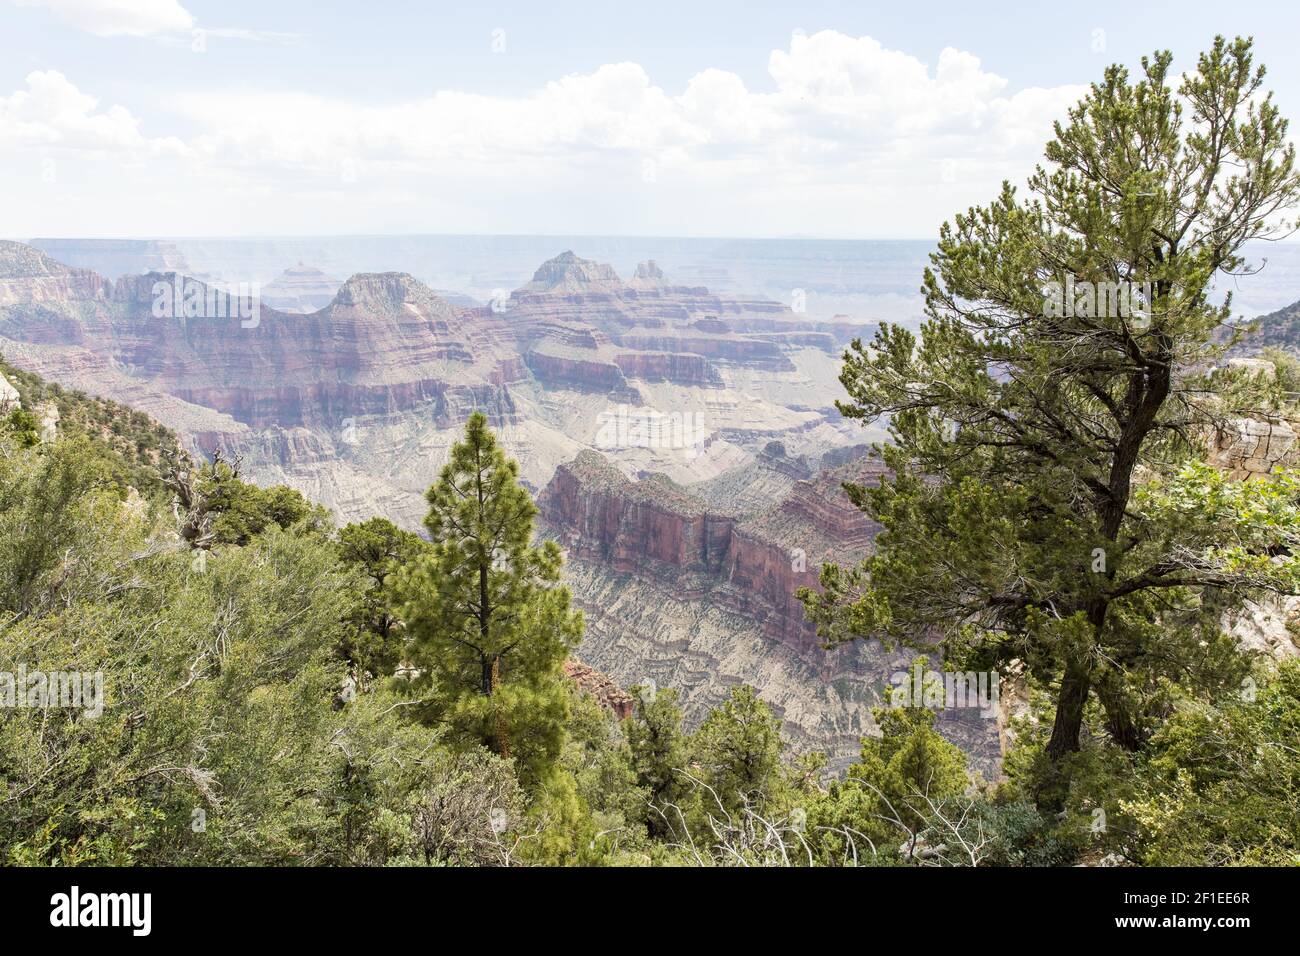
point(659, 757)
point(737, 752)
point(1045, 502)
point(489, 622)
point(378, 549)
point(891, 792)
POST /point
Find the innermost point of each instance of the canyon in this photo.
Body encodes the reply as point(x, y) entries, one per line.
point(684, 446)
point(356, 403)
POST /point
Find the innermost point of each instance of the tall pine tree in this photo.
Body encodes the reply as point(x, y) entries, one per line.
point(489, 622)
point(1046, 502)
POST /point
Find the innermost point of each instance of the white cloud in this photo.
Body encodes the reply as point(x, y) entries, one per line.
point(836, 99)
point(109, 18)
point(51, 113)
point(845, 137)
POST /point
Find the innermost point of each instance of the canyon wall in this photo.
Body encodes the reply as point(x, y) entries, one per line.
point(696, 588)
point(752, 564)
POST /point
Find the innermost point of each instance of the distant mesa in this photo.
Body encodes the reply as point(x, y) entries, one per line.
point(570, 273)
point(382, 293)
point(301, 288)
point(649, 276)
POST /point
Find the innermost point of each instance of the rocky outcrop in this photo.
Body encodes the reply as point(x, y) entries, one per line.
point(1269, 625)
point(1250, 447)
point(774, 456)
point(595, 684)
point(648, 276)
point(634, 525)
point(777, 552)
point(695, 589)
point(583, 369)
point(682, 368)
point(47, 417)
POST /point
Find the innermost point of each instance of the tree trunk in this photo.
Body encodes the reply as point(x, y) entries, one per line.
point(1053, 788)
point(500, 731)
point(1123, 729)
point(491, 670)
point(1073, 697)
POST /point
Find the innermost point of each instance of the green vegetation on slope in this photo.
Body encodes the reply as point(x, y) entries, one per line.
point(132, 444)
point(1280, 329)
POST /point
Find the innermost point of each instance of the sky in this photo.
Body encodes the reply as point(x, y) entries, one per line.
point(861, 120)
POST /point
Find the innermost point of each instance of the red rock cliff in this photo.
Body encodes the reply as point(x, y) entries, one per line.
point(650, 525)
point(753, 567)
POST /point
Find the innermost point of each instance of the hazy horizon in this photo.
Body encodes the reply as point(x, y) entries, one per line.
point(866, 280)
